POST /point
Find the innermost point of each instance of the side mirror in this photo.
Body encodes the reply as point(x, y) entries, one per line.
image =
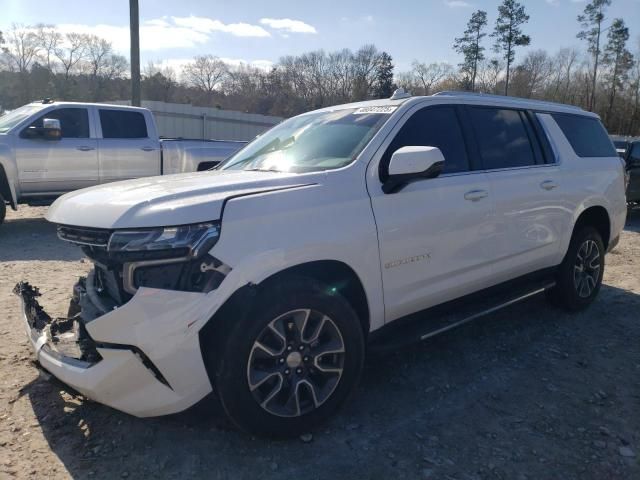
point(50, 130)
point(409, 164)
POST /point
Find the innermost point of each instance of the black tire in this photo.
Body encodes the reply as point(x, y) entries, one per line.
point(577, 284)
point(3, 208)
point(240, 355)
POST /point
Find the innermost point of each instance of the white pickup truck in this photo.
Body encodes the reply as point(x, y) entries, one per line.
point(49, 148)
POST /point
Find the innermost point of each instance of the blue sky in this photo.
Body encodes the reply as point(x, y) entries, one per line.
point(261, 31)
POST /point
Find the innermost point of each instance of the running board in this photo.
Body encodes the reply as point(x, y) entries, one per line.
point(442, 318)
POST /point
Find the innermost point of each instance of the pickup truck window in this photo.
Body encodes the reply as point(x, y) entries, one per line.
point(308, 143)
point(13, 118)
point(502, 138)
point(587, 136)
point(74, 121)
point(431, 127)
point(122, 124)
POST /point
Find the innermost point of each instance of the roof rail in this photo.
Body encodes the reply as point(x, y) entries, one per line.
point(454, 93)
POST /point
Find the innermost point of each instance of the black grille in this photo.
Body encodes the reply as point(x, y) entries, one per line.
point(95, 237)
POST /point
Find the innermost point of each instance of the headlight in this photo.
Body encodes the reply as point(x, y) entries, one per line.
point(183, 240)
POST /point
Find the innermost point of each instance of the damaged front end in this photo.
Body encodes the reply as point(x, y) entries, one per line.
point(127, 339)
point(62, 337)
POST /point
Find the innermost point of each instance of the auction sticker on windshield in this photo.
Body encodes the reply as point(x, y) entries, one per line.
point(376, 109)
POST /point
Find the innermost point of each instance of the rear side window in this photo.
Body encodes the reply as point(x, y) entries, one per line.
point(122, 124)
point(431, 127)
point(503, 138)
point(587, 136)
point(73, 121)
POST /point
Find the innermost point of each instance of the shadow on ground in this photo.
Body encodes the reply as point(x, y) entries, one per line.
point(519, 394)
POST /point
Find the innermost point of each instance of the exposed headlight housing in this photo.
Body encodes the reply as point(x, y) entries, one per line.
point(180, 241)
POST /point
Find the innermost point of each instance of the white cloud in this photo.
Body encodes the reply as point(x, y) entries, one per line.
point(208, 25)
point(167, 32)
point(456, 3)
point(288, 25)
point(553, 3)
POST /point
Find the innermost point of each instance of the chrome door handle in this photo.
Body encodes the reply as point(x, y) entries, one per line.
point(85, 148)
point(147, 149)
point(548, 185)
point(475, 195)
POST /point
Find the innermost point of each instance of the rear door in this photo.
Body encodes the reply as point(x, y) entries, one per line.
point(125, 148)
point(435, 236)
point(527, 188)
point(58, 166)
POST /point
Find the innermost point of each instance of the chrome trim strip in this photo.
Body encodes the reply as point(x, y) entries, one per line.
point(128, 270)
point(486, 312)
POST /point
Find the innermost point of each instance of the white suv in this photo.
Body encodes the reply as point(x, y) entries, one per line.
point(369, 224)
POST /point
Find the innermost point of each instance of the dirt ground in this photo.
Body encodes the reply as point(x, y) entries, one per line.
point(529, 392)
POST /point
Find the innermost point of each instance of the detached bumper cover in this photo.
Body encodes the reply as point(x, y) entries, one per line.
point(141, 358)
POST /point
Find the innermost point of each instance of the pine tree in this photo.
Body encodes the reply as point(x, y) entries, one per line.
point(617, 59)
point(469, 46)
point(383, 84)
point(508, 34)
point(591, 22)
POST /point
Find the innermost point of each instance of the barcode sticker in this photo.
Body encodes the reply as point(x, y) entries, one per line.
point(376, 109)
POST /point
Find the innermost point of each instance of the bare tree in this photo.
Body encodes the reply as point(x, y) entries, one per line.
point(22, 48)
point(49, 40)
point(430, 75)
point(71, 50)
point(205, 73)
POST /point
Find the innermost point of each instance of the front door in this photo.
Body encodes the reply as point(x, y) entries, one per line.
point(58, 166)
point(435, 236)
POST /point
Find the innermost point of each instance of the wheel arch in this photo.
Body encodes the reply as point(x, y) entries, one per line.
point(333, 273)
point(598, 217)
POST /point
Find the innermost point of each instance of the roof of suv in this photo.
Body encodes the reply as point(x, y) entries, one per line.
point(471, 99)
point(47, 102)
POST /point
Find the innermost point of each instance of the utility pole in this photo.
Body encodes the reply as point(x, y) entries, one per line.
point(134, 27)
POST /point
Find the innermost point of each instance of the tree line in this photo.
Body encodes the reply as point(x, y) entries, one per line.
point(604, 76)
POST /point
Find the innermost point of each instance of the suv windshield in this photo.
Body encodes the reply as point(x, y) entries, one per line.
point(309, 143)
point(11, 119)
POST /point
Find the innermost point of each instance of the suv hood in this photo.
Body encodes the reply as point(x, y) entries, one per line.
point(163, 201)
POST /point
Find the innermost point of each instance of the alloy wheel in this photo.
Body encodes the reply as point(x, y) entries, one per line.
point(586, 270)
point(296, 363)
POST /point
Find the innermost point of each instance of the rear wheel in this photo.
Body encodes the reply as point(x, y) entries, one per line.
point(292, 361)
point(579, 277)
point(3, 208)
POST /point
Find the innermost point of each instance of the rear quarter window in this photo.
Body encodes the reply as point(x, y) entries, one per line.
point(587, 135)
point(122, 124)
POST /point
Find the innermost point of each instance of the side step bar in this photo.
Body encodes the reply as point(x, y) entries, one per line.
point(485, 312)
point(442, 318)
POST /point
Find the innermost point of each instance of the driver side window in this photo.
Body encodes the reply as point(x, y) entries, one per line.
point(74, 121)
point(436, 126)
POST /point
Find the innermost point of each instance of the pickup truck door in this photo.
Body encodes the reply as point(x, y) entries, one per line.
point(50, 167)
point(435, 235)
point(124, 147)
point(532, 213)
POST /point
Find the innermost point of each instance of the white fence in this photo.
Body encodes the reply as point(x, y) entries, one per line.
point(182, 120)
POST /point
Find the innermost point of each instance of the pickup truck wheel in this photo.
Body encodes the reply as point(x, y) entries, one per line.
point(579, 276)
point(3, 209)
point(292, 361)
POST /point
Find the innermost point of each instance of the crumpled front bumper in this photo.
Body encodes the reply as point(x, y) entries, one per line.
point(142, 358)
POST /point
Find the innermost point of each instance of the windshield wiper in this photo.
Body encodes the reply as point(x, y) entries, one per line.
point(261, 170)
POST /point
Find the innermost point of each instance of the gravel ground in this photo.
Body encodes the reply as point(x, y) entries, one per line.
point(529, 392)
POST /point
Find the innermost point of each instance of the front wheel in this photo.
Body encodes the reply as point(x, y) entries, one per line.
point(292, 361)
point(579, 277)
